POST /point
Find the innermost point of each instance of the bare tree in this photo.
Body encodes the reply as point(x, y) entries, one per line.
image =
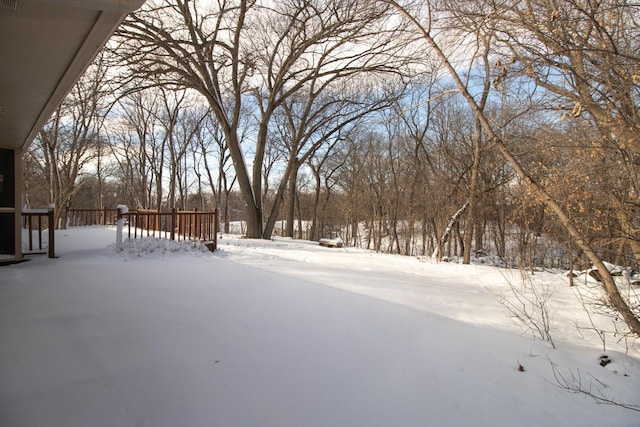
point(178, 44)
point(182, 120)
point(67, 143)
point(211, 143)
point(228, 50)
point(138, 143)
point(615, 298)
point(323, 170)
point(316, 122)
point(586, 55)
point(311, 70)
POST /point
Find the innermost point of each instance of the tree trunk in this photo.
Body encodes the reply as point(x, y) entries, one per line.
point(253, 206)
point(450, 228)
point(291, 202)
point(471, 216)
point(314, 234)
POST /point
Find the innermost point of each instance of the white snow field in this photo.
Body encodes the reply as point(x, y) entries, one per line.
point(288, 333)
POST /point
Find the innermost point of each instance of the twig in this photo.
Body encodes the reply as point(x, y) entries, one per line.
point(574, 385)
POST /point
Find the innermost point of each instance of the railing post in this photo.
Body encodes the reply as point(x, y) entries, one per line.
point(30, 228)
point(173, 223)
point(215, 228)
point(121, 211)
point(52, 234)
point(197, 232)
point(39, 233)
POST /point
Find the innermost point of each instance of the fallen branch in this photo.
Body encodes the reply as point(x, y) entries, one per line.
point(573, 384)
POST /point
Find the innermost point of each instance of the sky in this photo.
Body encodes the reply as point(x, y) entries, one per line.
point(289, 333)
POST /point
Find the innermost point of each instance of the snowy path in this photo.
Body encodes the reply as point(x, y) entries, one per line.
point(96, 339)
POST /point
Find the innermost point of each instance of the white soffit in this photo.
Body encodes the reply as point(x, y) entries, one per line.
point(45, 46)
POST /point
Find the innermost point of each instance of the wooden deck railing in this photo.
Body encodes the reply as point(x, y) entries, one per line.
point(84, 217)
point(44, 218)
point(174, 225)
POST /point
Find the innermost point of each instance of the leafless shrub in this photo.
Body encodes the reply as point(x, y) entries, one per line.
point(528, 305)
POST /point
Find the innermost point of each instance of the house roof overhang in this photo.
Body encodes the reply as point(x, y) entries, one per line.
point(45, 46)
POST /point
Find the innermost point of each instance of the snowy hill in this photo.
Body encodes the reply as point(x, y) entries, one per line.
point(289, 333)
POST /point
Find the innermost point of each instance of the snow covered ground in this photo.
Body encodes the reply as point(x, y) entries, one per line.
point(289, 333)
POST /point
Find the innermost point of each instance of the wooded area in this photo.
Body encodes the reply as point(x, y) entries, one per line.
point(444, 128)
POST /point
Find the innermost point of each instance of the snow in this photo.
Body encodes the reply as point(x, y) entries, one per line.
point(289, 333)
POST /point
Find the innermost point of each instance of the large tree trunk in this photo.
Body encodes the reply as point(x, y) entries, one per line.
point(253, 206)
